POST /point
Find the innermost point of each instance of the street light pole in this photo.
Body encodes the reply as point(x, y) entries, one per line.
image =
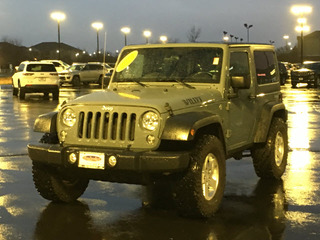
point(97, 26)
point(248, 27)
point(301, 28)
point(125, 31)
point(58, 16)
point(301, 10)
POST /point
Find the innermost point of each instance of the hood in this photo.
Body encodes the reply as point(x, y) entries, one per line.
point(155, 97)
point(303, 70)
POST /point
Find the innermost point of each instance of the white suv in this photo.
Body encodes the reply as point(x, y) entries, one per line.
point(36, 77)
point(88, 73)
point(59, 65)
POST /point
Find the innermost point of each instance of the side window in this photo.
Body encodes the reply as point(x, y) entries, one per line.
point(92, 67)
point(239, 64)
point(86, 67)
point(265, 67)
point(21, 67)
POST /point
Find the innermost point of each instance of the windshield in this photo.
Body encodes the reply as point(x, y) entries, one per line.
point(76, 67)
point(191, 64)
point(41, 68)
point(312, 66)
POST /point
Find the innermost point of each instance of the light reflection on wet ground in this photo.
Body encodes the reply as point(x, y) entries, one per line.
point(251, 209)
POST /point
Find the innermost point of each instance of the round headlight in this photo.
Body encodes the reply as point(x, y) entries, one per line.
point(150, 121)
point(69, 117)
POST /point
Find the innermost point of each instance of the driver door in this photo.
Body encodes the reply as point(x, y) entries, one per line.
point(241, 107)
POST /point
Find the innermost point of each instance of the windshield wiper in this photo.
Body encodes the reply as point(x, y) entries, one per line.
point(182, 83)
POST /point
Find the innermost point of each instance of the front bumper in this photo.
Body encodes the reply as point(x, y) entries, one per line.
point(65, 79)
point(139, 162)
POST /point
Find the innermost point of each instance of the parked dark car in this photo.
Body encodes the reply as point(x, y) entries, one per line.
point(283, 73)
point(308, 73)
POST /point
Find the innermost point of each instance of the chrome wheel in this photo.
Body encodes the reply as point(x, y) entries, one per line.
point(210, 177)
point(279, 148)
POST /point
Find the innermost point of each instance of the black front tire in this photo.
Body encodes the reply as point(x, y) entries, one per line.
point(53, 186)
point(76, 81)
point(55, 95)
point(316, 82)
point(100, 80)
point(270, 158)
point(200, 190)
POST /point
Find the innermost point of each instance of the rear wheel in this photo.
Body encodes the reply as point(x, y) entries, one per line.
point(15, 91)
point(21, 92)
point(270, 158)
point(200, 191)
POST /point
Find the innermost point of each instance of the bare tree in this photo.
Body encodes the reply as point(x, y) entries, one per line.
point(194, 34)
point(14, 41)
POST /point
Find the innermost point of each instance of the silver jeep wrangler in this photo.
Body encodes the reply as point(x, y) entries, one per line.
point(171, 116)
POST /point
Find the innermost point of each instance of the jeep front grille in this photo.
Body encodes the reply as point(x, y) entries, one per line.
point(107, 126)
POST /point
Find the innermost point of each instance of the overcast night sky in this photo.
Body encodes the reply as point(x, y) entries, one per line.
point(29, 20)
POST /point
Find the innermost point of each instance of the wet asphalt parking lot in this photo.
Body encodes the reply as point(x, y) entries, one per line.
point(251, 208)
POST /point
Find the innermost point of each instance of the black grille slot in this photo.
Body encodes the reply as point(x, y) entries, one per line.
point(114, 124)
point(81, 123)
point(107, 126)
point(132, 126)
point(89, 125)
point(97, 126)
point(123, 126)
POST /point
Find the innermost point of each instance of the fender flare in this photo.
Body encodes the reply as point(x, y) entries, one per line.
point(46, 123)
point(183, 127)
point(269, 111)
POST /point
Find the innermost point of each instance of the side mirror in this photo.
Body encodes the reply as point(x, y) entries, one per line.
point(240, 82)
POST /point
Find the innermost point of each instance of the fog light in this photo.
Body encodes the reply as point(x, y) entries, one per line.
point(72, 158)
point(151, 139)
point(112, 161)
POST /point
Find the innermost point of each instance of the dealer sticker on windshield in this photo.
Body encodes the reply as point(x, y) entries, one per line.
point(91, 160)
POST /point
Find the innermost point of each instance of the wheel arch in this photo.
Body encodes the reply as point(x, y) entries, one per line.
point(269, 111)
point(76, 75)
point(46, 123)
point(188, 126)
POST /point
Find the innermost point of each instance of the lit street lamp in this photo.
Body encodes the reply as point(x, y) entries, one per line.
point(125, 31)
point(58, 16)
point(163, 39)
point(147, 35)
point(225, 36)
point(301, 10)
point(97, 26)
point(248, 27)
